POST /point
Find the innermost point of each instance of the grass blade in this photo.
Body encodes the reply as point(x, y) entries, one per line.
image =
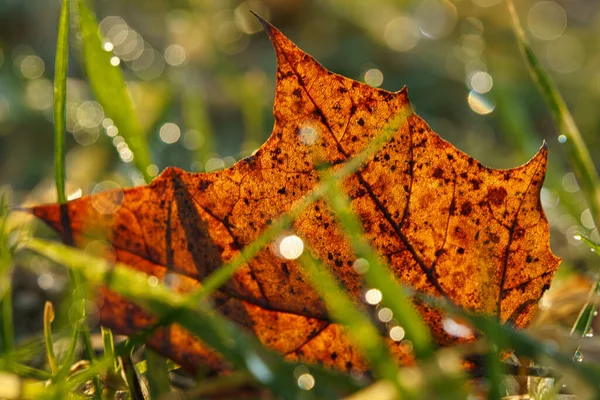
point(110, 89)
point(578, 153)
point(60, 96)
point(133, 379)
point(157, 373)
point(108, 345)
point(377, 275)
point(60, 100)
point(6, 309)
point(197, 120)
point(48, 318)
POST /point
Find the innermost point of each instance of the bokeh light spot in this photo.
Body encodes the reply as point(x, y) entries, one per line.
point(374, 77)
point(373, 296)
point(401, 34)
point(481, 82)
point(361, 265)
point(291, 247)
point(385, 314)
point(479, 103)
point(456, 329)
point(397, 333)
point(546, 20)
point(306, 382)
point(308, 135)
point(436, 18)
point(565, 54)
point(169, 133)
point(111, 199)
point(175, 55)
point(32, 67)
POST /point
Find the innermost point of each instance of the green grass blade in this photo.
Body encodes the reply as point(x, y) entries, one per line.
point(48, 318)
point(197, 121)
point(60, 100)
point(238, 347)
point(69, 358)
point(24, 371)
point(362, 332)
point(110, 89)
point(377, 275)
point(6, 308)
point(583, 323)
point(157, 373)
point(60, 96)
point(108, 345)
point(578, 153)
point(133, 379)
point(595, 247)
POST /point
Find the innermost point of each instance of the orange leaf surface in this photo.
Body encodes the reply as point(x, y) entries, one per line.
point(447, 225)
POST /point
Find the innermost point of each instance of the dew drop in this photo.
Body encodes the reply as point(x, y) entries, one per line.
point(562, 138)
point(578, 356)
point(577, 236)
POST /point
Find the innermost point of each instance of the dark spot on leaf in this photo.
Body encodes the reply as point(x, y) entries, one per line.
point(466, 208)
point(497, 195)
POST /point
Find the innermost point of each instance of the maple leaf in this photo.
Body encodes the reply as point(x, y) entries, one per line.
point(447, 225)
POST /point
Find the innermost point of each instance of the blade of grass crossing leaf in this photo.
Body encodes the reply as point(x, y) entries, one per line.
point(238, 347)
point(492, 358)
point(579, 155)
point(361, 330)
point(60, 96)
point(7, 329)
point(377, 275)
point(110, 89)
point(157, 373)
point(60, 100)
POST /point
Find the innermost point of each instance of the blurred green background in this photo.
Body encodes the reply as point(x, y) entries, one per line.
point(202, 77)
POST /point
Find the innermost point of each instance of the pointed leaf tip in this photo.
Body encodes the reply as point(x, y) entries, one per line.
point(267, 25)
